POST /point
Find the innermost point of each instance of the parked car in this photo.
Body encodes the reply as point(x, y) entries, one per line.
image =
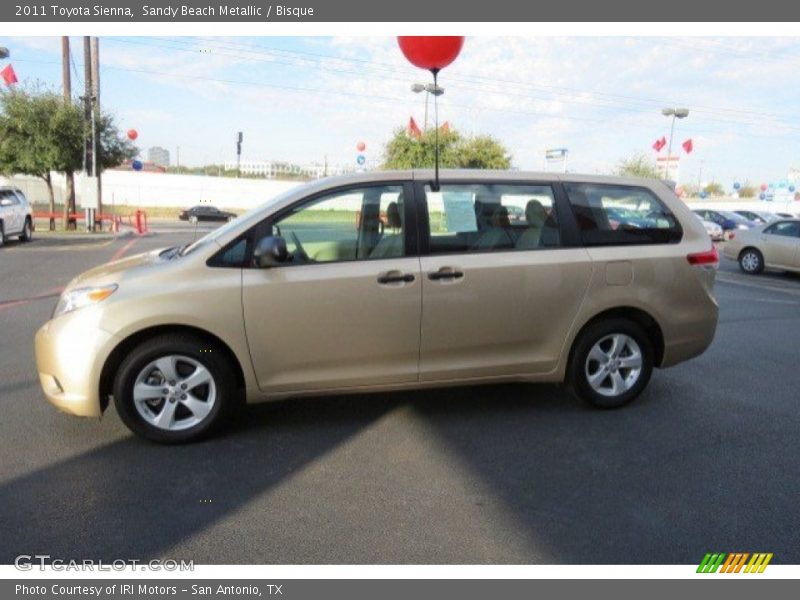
point(729, 221)
point(309, 295)
point(785, 215)
point(714, 231)
point(771, 246)
point(204, 212)
point(16, 215)
point(759, 217)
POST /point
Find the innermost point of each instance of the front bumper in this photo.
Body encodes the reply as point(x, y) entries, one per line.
point(70, 353)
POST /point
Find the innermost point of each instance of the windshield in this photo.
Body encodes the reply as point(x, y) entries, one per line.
point(250, 215)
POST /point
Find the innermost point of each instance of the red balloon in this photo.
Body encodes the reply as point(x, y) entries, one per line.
point(764, 187)
point(432, 52)
point(361, 146)
point(132, 134)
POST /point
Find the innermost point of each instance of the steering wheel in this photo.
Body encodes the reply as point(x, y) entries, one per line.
point(299, 250)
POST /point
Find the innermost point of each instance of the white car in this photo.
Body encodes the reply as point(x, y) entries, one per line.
point(16, 215)
point(714, 231)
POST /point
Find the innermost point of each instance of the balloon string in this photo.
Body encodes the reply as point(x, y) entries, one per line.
point(436, 129)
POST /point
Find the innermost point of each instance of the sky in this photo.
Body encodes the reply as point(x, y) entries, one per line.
point(303, 99)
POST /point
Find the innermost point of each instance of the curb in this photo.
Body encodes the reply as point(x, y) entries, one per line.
point(85, 236)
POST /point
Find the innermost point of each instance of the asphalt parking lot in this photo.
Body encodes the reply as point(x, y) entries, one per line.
point(706, 460)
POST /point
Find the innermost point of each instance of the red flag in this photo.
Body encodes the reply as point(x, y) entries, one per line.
point(413, 128)
point(688, 146)
point(445, 128)
point(8, 75)
point(659, 144)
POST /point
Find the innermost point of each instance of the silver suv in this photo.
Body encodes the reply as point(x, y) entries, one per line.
point(16, 215)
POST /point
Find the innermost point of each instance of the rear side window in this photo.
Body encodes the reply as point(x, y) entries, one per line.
point(785, 228)
point(491, 218)
point(610, 215)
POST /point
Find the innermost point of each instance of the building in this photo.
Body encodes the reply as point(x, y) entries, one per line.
point(158, 156)
point(273, 169)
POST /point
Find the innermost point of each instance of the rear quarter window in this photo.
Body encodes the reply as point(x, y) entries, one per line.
point(611, 215)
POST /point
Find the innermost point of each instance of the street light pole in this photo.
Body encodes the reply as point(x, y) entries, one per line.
point(428, 88)
point(675, 113)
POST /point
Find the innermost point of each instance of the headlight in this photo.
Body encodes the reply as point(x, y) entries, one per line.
point(80, 297)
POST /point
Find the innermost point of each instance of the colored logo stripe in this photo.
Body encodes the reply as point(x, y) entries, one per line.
point(710, 563)
point(734, 562)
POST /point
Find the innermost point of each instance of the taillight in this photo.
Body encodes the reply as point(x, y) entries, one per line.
point(731, 235)
point(709, 257)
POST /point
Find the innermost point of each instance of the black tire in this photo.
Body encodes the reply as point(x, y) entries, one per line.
point(580, 364)
point(27, 231)
point(751, 261)
point(227, 395)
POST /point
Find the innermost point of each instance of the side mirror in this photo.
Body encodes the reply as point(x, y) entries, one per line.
point(271, 252)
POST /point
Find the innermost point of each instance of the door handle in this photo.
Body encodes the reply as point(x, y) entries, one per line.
point(395, 277)
point(445, 273)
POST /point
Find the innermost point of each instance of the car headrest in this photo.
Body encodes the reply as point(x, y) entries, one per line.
point(535, 213)
point(393, 217)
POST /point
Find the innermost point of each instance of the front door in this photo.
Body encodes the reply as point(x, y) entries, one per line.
point(344, 311)
point(500, 291)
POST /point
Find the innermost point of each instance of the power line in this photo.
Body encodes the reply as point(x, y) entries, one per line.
point(566, 94)
point(764, 119)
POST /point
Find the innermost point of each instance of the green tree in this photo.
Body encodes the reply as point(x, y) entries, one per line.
point(714, 189)
point(30, 134)
point(638, 165)
point(455, 151)
point(747, 191)
point(40, 133)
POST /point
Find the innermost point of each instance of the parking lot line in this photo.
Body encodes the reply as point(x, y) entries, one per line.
point(53, 293)
point(121, 252)
point(759, 286)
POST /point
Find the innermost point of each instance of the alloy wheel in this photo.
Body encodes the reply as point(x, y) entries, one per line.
point(174, 392)
point(614, 364)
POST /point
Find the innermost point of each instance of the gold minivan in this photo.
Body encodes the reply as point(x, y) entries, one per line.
point(390, 281)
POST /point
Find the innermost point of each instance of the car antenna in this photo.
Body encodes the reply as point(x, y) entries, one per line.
point(435, 187)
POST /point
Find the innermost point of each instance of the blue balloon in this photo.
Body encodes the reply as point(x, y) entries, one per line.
point(703, 194)
point(762, 196)
point(782, 184)
point(361, 159)
point(137, 165)
point(737, 185)
point(771, 185)
point(791, 188)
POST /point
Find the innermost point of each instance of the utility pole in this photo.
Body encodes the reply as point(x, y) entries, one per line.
point(96, 112)
point(239, 140)
point(66, 79)
point(88, 118)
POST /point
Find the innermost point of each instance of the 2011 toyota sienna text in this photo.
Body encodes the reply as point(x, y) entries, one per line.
point(386, 281)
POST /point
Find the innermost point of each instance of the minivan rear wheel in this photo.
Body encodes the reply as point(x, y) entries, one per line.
point(612, 363)
point(175, 388)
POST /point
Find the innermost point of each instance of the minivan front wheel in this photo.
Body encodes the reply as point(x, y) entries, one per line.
point(174, 388)
point(612, 363)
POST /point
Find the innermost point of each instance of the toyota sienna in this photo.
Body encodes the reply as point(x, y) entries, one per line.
point(390, 281)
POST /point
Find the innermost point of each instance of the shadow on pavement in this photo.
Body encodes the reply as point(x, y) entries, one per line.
point(116, 500)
